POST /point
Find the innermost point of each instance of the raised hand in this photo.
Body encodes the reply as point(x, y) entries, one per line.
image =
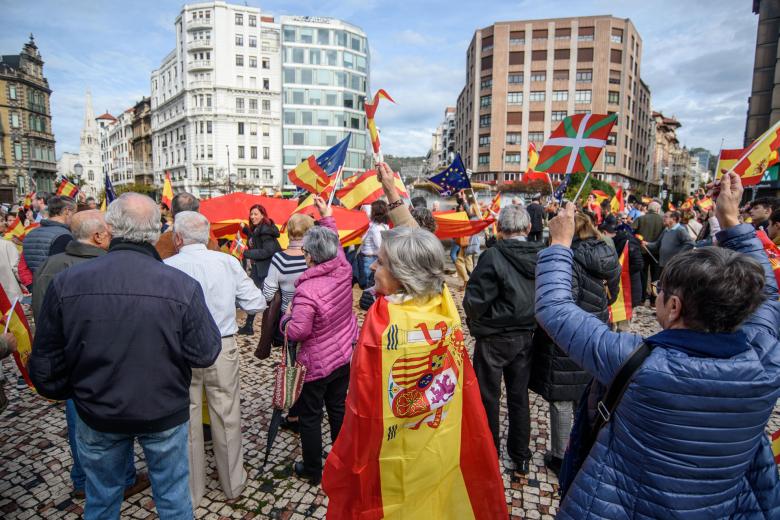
point(727, 203)
point(322, 206)
point(386, 177)
point(562, 226)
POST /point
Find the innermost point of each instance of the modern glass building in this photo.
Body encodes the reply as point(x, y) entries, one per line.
point(325, 80)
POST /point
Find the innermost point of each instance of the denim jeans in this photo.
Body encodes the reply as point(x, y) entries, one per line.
point(104, 454)
point(77, 475)
point(367, 274)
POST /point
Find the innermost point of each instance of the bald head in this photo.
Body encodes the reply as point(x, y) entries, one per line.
point(85, 224)
point(134, 217)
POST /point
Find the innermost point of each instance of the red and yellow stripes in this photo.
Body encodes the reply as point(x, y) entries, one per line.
point(167, 192)
point(415, 441)
point(67, 188)
point(622, 309)
point(371, 113)
point(309, 176)
point(365, 189)
point(776, 446)
point(13, 315)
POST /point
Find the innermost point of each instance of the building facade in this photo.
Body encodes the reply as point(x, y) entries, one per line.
point(326, 64)
point(443, 142)
point(141, 142)
point(89, 157)
point(524, 77)
point(764, 101)
point(116, 146)
point(672, 163)
point(27, 154)
point(216, 102)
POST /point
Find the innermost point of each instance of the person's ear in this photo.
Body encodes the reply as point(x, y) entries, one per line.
point(674, 308)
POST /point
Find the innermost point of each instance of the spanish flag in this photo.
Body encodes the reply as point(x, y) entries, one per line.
point(415, 443)
point(672, 207)
point(600, 196)
point(15, 230)
point(688, 204)
point(16, 323)
point(313, 174)
point(530, 173)
point(456, 224)
point(727, 159)
point(167, 192)
point(617, 203)
point(705, 203)
point(67, 188)
point(27, 204)
point(371, 113)
point(772, 252)
point(494, 208)
point(621, 310)
point(757, 157)
point(365, 189)
point(776, 446)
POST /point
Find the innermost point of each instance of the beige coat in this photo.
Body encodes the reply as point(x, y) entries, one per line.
point(9, 270)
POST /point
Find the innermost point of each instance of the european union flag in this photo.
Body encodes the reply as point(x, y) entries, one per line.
point(110, 193)
point(333, 158)
point(453, 179)
point(561, 189)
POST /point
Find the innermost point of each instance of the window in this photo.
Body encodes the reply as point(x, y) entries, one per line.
point(253, 61)
point(540, 34)
point(240, 128)
point(617, 35)
point(609, 158)
point(487, 43)
point(252, 128)
point(585, 54)
point(536, 137)
point(560, 95)
point(484, 158)
point(239, 60)
point(614, 77)
point(580, 111)
point(266, 129)
point(536, 95)
point(253, 41)
point(512, 158)
point(18, 151)
point(536, 116)
point(239, 19)
point(241, 173)
point(266, 153)
point(266, 105)
point(254, 173)
point(208, 127)
point(266, 63)
point(266, 84)
point(562, 33)
point(612, 139)
point(514, 118)
point(582, 96)
point(484, 121)
point(513, 138)
point(12, 91)
point(613, 98)
point(239, 105)
point(252, 20)
point(616, 56)
point(241, 152)
point(558, 115)
point(253, 152)
point(585, 75)
point(515, 79)
point(514, 98)
point(585, 34)
point(539, 55)
point(516, 37)
point(485, 101)
point(484, 140)
point(15, 120)
point(253, 106)
point(487, 62)
point(240, 40)
point(562, 54)
point(538, 76)
point(267, 174)
point(210, 152)
point(486, 83)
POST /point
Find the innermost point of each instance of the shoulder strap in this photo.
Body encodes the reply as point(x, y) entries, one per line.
point(607, 406)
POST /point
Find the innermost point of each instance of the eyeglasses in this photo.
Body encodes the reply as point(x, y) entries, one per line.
point(655, 289)
point(304, 251)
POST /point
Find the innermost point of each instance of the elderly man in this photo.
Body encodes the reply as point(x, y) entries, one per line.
point(90, 240)
point(120, 335)
point(224, 284)
point(53, 234)
point(686, 439)
point(499, 310)
point(181, 202)
point(649, 227)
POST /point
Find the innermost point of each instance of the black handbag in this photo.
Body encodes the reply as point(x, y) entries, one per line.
point(269, 326)
point(585, 431)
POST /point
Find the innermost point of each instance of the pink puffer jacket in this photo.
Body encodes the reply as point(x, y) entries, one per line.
point(322, 319)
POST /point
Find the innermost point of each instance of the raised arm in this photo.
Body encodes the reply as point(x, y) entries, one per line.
point(400, 214)
point(588, 341)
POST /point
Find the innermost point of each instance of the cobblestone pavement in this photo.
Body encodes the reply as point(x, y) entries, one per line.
point(35, 459)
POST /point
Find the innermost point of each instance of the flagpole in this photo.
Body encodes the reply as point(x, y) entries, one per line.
point(335, 185)
point(577, 196)
point(752, 147)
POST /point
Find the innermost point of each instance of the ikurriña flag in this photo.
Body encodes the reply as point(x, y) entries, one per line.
point(415, 442)
point(575, 145)
point(622, 309)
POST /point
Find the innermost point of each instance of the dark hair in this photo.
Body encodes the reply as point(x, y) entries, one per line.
point(774, 218)
point(43, 195)
point(536, 198)
point(719, 288)
point(60, 203)
point(184, 202)
point(419, 202)
point(675, 215)
point(379, 212)
point(768, 202)
point(263, 222)
point(424, 219)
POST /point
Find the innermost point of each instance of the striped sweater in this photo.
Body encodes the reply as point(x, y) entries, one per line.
point(284, 272)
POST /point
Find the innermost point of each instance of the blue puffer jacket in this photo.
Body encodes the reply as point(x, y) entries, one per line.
point(687, 440)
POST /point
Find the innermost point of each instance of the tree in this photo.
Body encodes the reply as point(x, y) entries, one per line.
point(592, 184)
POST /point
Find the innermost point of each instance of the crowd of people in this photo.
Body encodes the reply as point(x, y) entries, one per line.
point(135, 330)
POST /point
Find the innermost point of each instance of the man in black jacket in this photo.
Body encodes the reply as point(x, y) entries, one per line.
point(536, 212)
point(120, 335)
point(499, 305)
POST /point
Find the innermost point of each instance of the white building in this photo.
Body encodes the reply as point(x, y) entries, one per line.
point(91, 181)
point(116, 147)
point(443, 142)
point(326, 66)
point(66, 166)
point(216, 102)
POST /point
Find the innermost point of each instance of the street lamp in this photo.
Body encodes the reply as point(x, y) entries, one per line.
point(78, 169)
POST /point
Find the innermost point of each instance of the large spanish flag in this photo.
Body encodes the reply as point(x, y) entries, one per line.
point(415, 443)
point(772, 252)
point(167, 192)
point(365, 189)
point(775, 438)
point(621, 310)
point(15, 322)
point(756, 158)
point(455, 224)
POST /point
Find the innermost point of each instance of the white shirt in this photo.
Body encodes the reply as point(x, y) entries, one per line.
point(223, 281)
point(372, 240)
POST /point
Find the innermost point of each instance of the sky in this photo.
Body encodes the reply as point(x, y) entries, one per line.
point(697, 57)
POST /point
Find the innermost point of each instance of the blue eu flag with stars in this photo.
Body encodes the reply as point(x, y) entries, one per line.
point(561, 189)
point(453, 179)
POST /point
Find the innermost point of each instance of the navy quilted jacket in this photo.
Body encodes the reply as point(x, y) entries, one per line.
point(687, 440)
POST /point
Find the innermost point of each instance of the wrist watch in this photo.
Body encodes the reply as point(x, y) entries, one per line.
point(396, 204)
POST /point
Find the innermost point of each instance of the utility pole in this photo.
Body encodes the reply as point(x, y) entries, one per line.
point(230, 186)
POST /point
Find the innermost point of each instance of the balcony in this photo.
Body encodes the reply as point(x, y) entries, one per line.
point(200, 65)
point(200, 83)
point(199, 23)
point(199, 44)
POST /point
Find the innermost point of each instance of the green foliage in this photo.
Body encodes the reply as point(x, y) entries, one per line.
point(541, 187)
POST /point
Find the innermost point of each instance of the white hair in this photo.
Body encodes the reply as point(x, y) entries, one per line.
point(513, 220)
point(415, 259)
point(321, 244)
point(192, 227)
point(653, 207)
point(135, 218)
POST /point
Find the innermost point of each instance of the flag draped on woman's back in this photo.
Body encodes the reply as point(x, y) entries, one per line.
point(415, 442)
